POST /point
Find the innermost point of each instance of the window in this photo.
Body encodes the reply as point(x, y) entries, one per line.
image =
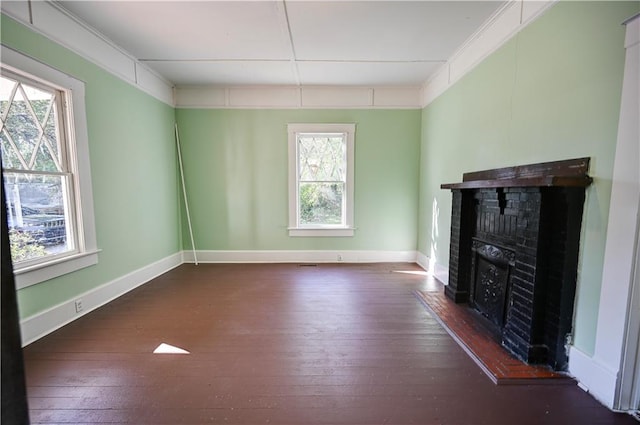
point(46, 170)
point(321, 179)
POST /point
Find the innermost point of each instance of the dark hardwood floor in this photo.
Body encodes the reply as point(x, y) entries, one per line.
point(279, 344)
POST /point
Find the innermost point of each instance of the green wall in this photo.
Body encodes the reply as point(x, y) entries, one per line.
point(551, 92)
point(235, 165)
point(133, 167)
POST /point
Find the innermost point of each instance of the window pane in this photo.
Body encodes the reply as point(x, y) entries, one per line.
point(21, 131)
point(51, 138)
point(37, 216)
point(322, 157)
point(6, 88)
point(321, 203)
point(10, 158)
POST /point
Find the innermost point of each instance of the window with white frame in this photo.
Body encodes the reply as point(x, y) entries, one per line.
point(45, 164)
point(321, 170)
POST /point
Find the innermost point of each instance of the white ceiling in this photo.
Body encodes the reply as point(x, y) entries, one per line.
point(290, 42)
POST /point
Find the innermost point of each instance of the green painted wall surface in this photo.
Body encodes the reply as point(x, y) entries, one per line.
point(133, 167)
point(551, 92)
point(236, 174)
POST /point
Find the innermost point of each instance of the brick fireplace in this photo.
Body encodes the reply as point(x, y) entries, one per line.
point(515, 234)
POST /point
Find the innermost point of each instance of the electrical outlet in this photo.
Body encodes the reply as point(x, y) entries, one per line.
point(78, 306)
point(339, 257)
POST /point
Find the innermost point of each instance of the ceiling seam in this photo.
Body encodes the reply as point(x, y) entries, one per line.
point(30, 12)
point(294, 63)
point(442, 61)
point(372, 61)
point(214, 60)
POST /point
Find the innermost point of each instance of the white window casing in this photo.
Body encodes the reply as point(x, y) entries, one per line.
point(296, 228)
point(85, 252)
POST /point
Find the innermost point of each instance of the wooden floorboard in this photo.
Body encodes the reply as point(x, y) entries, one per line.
point(280, 344)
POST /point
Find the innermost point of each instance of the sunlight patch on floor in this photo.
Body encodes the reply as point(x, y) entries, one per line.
point(416, 272)
point(169, 349)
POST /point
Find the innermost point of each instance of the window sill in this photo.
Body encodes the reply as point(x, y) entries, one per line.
point(33, 275)
point(321, 232)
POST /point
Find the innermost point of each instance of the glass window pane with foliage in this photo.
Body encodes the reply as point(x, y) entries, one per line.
point(36, 178)
point(322, 163)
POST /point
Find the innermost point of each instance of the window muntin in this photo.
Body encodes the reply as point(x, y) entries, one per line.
point(321, 179)
point(48, 151)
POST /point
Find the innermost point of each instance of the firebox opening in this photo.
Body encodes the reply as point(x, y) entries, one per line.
point(490, 290)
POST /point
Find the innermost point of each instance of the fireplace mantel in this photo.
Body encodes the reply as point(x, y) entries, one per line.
point(532, 215)
point(569, 173)
point(543, 181)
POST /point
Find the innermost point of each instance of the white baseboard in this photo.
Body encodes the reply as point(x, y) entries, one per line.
point(593, 376)
point(441, 273)
point(277, 256)
point(438, 271)
point(423, 261)
point(43, 323)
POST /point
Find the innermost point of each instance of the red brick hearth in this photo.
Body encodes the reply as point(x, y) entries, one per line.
point(477, 340)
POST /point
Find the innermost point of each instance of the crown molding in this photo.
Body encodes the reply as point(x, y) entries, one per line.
point(51, 20)
point(298, 97)
point(504, 24)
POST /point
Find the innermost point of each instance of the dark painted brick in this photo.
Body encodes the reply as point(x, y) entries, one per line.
point(522, 314)
point(522, 287)
point(519, 298)
point(525, 266)
point(527, 252)
point(525, 275)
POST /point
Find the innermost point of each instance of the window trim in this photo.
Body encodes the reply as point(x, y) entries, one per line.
point(86, 253)
point(295, 229)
